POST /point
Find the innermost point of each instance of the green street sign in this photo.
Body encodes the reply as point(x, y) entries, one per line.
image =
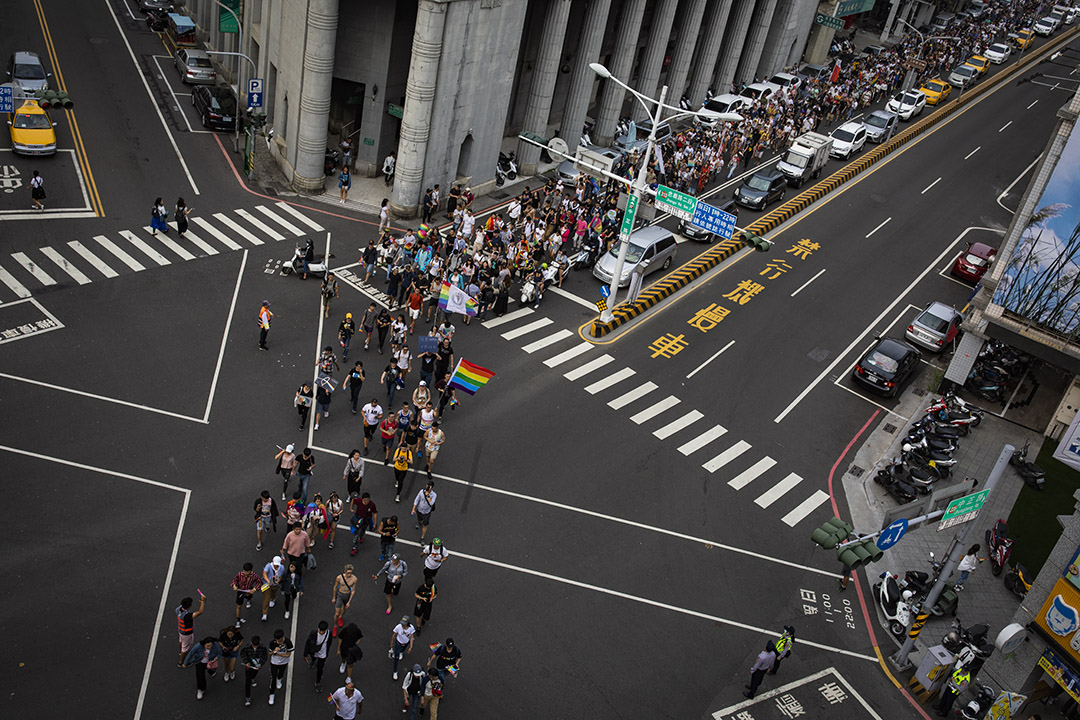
point(227, 20)
point(853, 7)
point(829, 21)
point(963, 509)
point(628, 215)
point(677, 203)
point(395, 110)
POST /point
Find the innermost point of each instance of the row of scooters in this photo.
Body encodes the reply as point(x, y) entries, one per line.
point(996, 367)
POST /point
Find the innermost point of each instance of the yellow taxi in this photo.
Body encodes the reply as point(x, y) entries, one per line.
point(979, 63)
point(1023, 39)
point(936, 91)
point(32, 132)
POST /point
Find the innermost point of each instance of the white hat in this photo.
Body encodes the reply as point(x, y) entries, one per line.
point(289, 448)
point(424, 383)
point(277, 561)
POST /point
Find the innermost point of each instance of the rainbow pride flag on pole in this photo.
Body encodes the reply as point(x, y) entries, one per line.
point(469, 378)
point(453, 299)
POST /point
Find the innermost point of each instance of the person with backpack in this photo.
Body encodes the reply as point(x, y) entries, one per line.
point(253, 656)
point(412, 688)
point(158, 213)
point(315, 651)
point(329, 290)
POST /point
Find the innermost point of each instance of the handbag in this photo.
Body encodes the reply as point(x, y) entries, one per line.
point(310, 561)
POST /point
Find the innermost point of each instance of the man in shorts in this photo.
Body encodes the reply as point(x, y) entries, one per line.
point(388, 431)
point(373, 414)
point(330, 291)
point(367, 322)
point(396, 569)
point(344, 587)
point(416, 300)
point(348, 650)
point(434, 556)
point(425, 595)
point(245, 583)
point(433, 440)
point(423, 506)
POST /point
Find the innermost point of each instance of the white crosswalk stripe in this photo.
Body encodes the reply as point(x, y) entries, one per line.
point(635, 394)
point(173, 245)
point(549, 340)
point(146, 249)
point(61, 262)
point(16, 287)
point(681, 424)
point(655, 409)
point(610, 380)
point(120, 254)
point(777, 491)
point(300, 216)
point(274, 234)
point(594, 364)
point(204, 246)
point(526, 329)
point(232, 225)
point(218, 235)
point(509, 317)
point(727, 456)
point(751, 473)
point(569, 354)
point(280, 220)
point(702, 440)
point(804, 508)
point(33, 268)
point(93, 259)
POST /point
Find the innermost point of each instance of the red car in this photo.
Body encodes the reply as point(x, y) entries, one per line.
point(973, 263)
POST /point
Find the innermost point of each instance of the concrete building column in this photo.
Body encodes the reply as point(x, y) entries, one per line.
point(710, 50)
point(755, 41)
point(780, 38)
point(653, 61)
point(419, 99)
point(803, 23)
point(734, 39)
point(581, 77)
point(684, 49)
point(316, 80)
point(820, 38)
point(545, 72)
point(622, 60)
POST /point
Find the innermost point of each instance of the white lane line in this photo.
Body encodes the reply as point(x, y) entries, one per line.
point(1032, 105)
point(153, 100)
point(636, 394)
point(225, 337)
point(930, 186)
point(727, 456)
point(274, 234)
point(594, 364)
point(549, 340)
point(571, 296)
point(17, 287)
point(280, 220)
point(569, 354)
point(220, 236)
point(655, 409)
point(777, 491)
point(146, 249)
point(120, 254)
point(702, 440)
point(509, 317)
point(804, 508)
point(839, 358)
point(32, 267)
point(172, 245)
point(973, 152)
point(204, 246)
point(803, 286)
point(610, 380)
point(879, 227)
point(300, 216)
point(526, 329)
point(751, 473)
point(176, 100)
point(231, 224)
point(681, 424)
point(715, 355)
point(1013, 184)
point(93, 259)
point(1005, 125)
point(62, 263)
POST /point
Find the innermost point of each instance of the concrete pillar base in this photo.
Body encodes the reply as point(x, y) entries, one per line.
point(403, 212)
point(308, 185)
point(528, 170)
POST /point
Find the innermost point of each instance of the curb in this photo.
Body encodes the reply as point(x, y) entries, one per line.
point(709, 259)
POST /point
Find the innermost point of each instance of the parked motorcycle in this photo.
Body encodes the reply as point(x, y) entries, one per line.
point(331, 161)
point(896, 605)
point(506, 169)
point(979, 706)
point(1018, 581)
point(998, 546)
point(973, 637)
point(922, 582)
point(896, 484)
point(1032, 474)
point(920, 439)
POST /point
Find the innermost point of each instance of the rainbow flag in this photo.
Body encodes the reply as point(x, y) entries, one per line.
point(469, 378)
point(434, 646)
point(453, 299)
point(423, 231)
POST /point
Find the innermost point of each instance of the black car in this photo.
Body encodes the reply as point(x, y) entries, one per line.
point(216, 105)
point(157, 20)
point(693, 232)
point(148, 5)
point(886, 366)
point(762, 188)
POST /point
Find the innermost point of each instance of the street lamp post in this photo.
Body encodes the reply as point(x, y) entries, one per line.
point(239, 76)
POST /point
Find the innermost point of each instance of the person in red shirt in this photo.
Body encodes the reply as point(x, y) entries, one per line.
point(416, 299)
point(388, 429)
point(245, 583)
point(365, 515)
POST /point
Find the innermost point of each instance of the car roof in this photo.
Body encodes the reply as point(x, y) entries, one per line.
point(648, 235)
point(883, 113)
point(26, 57)
point(982, 250)
point(30, 107)
point(933, 81)
point(726, 97)
point(768, 173)
point(786, 76)
point(942, 310)
point(195, 52)
point(850, 126)
point(893, 348)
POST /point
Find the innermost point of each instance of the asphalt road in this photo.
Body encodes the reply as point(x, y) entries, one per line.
point(597, 568)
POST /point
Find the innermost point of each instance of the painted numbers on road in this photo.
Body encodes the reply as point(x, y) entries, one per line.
point(829, 610)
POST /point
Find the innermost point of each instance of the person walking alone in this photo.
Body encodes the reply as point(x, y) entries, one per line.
point(265, 318)
point(348, 702)
point(401, 641)
point(344, 182)
point(388, 532)
point(253, 656)
point(396, 569)
point(388, 166)
point(286, 463)
point(272, 574)
point(353, 475)
point(967, 565)
point(37, 191)
point(315, 651)
point(423, 506)
point(281, 649)
point(434, 555)
point(342, 595)
point(345, 333)
point(292, 586)
point(412, 687)
point(245, 583)
point(765, 660)
point(354, 381)
point(425, 595)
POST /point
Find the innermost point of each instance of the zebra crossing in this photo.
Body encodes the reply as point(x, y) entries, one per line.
point(669, 419)
point(134, 250)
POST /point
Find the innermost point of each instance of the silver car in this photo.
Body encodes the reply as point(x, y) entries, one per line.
point(880, 125)
point(963, 76)
point(568, 174)
point(936, 327)
point(26, 71)
point(652, 248)
point(195, 67)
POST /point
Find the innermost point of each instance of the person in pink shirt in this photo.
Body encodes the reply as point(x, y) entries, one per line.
point(296, 544)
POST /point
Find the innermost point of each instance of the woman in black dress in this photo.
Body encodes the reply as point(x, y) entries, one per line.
point(502, 298)
point(182, 211)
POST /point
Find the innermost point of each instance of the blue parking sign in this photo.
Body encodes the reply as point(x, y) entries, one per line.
point(255, 92)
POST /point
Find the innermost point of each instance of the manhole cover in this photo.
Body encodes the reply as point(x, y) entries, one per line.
point(889, 428)
point(818, 354)
point(919, 391)
point(856, 471)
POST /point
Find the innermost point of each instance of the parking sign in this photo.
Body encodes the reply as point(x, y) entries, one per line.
point(255, 92)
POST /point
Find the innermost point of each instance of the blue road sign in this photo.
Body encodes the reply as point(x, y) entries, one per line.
point(605, 290)
point(7, 101)
point(254, 100)
point(892, 534)
point(714, 220)
point(255, 92)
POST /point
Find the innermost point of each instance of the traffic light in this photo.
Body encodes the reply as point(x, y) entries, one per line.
point(53, 98)
point(756, 241)
point(861, 552)
point(831, 533)
point(257, 119)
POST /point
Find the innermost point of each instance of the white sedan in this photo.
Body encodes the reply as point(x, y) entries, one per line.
point(907, 104)
point(998, 53)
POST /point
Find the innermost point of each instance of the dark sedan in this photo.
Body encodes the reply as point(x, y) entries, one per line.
point(216, 106)
point(886, 366)
point(157, 20)
point(693, 232)
point(147, 5)
point(762, 188)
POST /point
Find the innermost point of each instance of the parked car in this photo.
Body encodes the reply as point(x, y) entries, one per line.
point(814, 72)
point(972, 264)
point(936, 91)
point(848, 139)
point(758, 91)
point(1045, 26)
point(1023, 38)
point(978, 62)
point(880, 125)
point(629, 145)
point(887, 365)
point(693, 232)
point(936, 327)
point(195, 66)
point(148, 5)
point(26, 71)
point(998, 53)
point(762, 188)
point(720, 105)
point(907, 104)
point(31, 130)
point(568, 174)
point(216, 106)
point(963, 76)
point(785, 80)
point(652, 248)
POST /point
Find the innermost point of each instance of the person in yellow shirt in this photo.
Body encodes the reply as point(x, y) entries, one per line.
point(403, 458)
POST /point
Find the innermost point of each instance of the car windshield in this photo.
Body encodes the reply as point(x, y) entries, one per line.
point(717, 106)
point(751, 93)
point(633, 253)
point(224, 102)
point(843, 135)
point(965, 70)
point(878, 121)
point(999, 48)
point(934, 322)
point(909, 98)
point(975, 260)
point(757, 183)
point(796, 159)
point(31, 121)
point(29, 72)
point(881, 361)
point(777, 80)
point(935, 86)
point(200, 62)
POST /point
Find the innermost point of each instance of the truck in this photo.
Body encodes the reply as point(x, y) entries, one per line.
point(805, 158)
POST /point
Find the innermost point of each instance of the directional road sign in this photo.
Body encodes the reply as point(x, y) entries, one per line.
point(963, 509)
point(605, 290)
point(677, 203)
point(892, 534)
point(829, 21)
point(255, 92)
point(713, 219)
point(7, 101)
point(628, 215)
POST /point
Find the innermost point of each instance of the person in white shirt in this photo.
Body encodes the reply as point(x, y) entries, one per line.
point(315, 651)
point(434, 556)
point(281, 649)
point(373, 414)
point(401, 641)
point(348, 702)
point(384, 216)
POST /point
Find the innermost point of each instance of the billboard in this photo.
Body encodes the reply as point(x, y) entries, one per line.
point(1041, 282)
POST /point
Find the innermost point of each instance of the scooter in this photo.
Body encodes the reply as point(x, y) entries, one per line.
point(506, 169)
point(295, 264)
point(894, 604)
point(528, 289)
point(943, 430)
point(998, 546)
point(1032, 474)
point(973, 636)
point(897, 486)
point(924, 467)
point(994, 392)
point(330, 161)
point(1017, 581)
point(958, 403)
point(920, 438)
point(586, 257)
point(977, 708)
point(942, 412)
point(921, 583)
